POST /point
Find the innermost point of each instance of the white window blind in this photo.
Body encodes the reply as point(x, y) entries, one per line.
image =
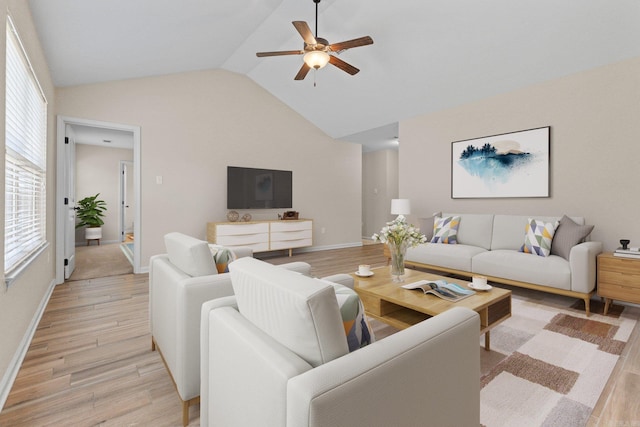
point(25, 159)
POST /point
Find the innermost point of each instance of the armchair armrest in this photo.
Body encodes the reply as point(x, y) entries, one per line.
point(232, 340)
point(582, 262)
point(343, 279)
point(430, 371)
point(175, 301)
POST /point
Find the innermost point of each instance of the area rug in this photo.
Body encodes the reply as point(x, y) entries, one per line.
point(553, 362)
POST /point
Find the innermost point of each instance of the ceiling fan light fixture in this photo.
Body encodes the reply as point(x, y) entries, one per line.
point(316, 59)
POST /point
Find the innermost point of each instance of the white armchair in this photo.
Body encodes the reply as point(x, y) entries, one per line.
point(180, 281)
point(286, 363)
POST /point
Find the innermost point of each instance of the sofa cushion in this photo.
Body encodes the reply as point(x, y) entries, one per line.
point(538, 236)
point(457, 257)
point(356, 328)
point(474, 229)
point(568, 234)
point(553, 271)
point(445, 229)
point(299, 312)
point(189, 254)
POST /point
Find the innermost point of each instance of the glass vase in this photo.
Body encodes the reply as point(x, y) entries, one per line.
point(398, 252)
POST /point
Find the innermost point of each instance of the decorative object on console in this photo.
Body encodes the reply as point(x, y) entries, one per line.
point(538, 236)
point(233, 216)
point(508, 165)
point(399, 235)
point(445, 230)
point(624, 243)
point(290, 215)
point(246, 217)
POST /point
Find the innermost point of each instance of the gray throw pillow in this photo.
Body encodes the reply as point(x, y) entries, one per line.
point(567, 236)
point(426, 225)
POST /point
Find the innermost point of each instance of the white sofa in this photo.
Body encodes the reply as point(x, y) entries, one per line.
point(286, 362)
point(489, 244)
point(179, 282)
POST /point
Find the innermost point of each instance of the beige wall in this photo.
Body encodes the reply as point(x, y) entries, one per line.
point(19, 303)
point(379, 186)
point(98, 171)
point(595, 147)
point(194, 125)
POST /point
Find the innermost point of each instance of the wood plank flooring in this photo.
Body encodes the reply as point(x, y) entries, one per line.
point(90, 362)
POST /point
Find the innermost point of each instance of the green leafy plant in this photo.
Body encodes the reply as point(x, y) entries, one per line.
point(90, 212)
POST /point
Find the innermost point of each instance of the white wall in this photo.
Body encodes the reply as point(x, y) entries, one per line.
point(21, 301)
point(98, 171)
point(595, 147)
point(194, 125)
point(379, 186)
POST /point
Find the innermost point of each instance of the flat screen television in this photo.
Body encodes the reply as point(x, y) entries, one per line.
point(249, 188)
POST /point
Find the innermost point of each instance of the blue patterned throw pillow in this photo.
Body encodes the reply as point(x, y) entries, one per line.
point(445, 230)
point(222, 257)
point(356, 327)
point(538, 236)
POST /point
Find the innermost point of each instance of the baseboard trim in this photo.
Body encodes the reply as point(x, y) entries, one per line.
point(16, 362)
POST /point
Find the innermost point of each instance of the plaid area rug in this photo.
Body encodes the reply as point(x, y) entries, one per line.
point(553, 363)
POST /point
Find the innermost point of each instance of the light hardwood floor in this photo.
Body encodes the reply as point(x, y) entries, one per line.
point(90, 362)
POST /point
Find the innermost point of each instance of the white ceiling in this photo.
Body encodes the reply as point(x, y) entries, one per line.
point(427, 55)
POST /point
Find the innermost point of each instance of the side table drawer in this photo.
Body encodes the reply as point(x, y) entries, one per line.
point(619, 292)
point(629, 279)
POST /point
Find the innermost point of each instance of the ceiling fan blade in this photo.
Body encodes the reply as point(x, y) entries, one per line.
point(334, 60)
point(362, 41)
point(305, 32)
point(303, 72)
point(279, 53)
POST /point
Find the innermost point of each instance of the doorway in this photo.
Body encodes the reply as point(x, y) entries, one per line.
point(65, 201)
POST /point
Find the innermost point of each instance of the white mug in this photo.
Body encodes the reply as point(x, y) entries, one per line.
point(479, 281)
point(364, 269)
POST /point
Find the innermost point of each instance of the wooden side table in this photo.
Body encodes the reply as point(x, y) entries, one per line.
point(618, 279)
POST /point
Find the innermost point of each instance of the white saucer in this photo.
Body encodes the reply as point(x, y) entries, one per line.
point(364, 275)
point(480, 287)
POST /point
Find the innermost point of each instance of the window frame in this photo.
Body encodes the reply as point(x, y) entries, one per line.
point(26, 172)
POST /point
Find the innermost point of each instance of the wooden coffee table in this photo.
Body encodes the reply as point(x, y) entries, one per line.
point(390, 303)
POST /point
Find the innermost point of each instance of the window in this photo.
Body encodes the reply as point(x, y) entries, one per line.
point(25, 160)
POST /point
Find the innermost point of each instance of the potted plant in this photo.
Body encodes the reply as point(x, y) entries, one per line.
point(90, 212)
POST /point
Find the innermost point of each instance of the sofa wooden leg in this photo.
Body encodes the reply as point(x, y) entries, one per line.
point(153, 344)
point(185, 413)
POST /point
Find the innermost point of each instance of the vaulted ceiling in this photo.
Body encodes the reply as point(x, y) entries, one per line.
point(427, 55)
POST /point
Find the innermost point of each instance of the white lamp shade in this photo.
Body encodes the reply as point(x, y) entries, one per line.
point(316, 59)
point(400, 206)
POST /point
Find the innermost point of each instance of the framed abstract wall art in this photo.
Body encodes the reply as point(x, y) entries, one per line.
point(512, 164)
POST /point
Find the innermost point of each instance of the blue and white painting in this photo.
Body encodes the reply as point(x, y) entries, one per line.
point(507, 165)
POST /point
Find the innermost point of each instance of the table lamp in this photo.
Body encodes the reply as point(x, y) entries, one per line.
point(400, 206)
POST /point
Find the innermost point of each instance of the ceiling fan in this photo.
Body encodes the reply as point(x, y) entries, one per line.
point(317, 50)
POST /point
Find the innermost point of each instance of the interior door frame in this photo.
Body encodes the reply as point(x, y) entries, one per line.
point(124, 164)
point(62, 122)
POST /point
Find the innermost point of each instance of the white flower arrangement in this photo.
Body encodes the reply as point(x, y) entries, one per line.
point(398, 232)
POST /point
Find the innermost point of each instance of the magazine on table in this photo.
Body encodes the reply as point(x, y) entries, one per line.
point(441, 289)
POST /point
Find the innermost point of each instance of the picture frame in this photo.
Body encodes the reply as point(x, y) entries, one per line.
point(514, 164)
